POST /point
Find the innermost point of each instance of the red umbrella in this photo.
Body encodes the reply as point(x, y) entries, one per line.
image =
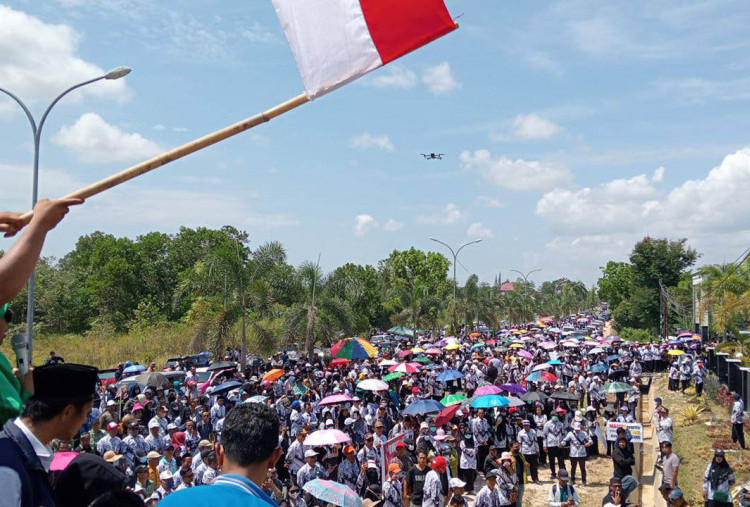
point(340, 361)
point(404, 368)
point(405, 353)
point(446, 414)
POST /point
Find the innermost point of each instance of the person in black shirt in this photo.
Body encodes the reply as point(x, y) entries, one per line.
point(414, 484)
point(54, 359)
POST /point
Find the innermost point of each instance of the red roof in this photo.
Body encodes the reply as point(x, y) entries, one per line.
point(507, 286)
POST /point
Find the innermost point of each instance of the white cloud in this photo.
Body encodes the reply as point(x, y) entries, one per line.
point(180, 129)
point(364, 224)
point(440, 79)
point(700, 90)
point(393, 76)
point(259, 33)
point(392, 225)
point(95, 141)
point(477, 230)
point(366, 140)
point(490, 202)
point(449, 214)
point(516, 174)
point(658, 174)
point(158, 126)
point(529, 127)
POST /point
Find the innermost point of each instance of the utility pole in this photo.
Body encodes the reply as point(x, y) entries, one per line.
point(664, 309)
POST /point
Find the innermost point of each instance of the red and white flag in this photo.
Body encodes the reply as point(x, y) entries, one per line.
point(337, 41)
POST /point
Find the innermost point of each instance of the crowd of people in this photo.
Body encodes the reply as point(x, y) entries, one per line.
point(416, 418)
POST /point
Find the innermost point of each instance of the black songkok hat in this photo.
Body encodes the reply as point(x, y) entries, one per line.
point(65, 381)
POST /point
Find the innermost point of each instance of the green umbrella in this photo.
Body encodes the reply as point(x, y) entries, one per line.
point(616, 387)
point(392, 376)
point(401, 330)
point(422, 359)
point(452, 399)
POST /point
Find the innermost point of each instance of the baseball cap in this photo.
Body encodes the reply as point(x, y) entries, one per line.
point(455, 482)
point(348, 449)
point(372, 464)
point(563, 475)
point(492, 473)
point(400, 444)
point(165, 475)
point(311, 454)
point(112, 425)
point(111, 403)
point(171, 426)
point(506, 456)
point(393, 467)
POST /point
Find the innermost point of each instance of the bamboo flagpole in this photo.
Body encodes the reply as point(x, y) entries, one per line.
point(181, 151)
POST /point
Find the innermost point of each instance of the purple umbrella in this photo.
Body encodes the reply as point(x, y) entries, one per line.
point(525, 353)
point(441, 343)
point(487, 389)
point(513, 388)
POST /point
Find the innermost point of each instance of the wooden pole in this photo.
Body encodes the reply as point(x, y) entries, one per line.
point(179, 152)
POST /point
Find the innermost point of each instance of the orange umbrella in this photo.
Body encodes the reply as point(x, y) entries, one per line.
point(273, 375)
point(475, 335)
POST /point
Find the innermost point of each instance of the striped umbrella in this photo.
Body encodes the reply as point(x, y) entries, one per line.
point(353, 348)
point(541, 376)
point(405, 368)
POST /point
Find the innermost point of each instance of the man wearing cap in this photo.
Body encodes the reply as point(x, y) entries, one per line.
point(63, 396)
point(311, 469)
point(563, 494)
point(348, 471)
point(392, 489)
point(134, 446)
point(530, 448)
point(154, 440)
point(625, 416)
point(553, 433)
point(488, 496)
point(166, 485)
point(738, 417)
point(402, 459)
point(578, 440)
point(111, 442)
point(432, 494)
point(295, 455)
point(368, 451)
point(15, 388)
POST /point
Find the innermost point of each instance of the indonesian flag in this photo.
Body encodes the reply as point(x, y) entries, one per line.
point(337, 41)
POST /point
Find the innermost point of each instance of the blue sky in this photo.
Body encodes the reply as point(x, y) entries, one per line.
point(571, 129)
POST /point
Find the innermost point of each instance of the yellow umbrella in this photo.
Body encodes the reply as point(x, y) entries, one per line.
point(417, 350)
point(452, 346)
point(516, 345)
point(517, 332)
point(675, 352)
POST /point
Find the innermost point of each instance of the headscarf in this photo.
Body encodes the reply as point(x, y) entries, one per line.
point(718, 472)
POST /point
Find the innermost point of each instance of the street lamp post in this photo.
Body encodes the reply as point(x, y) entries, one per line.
point(455, 257)
point(526, 278)
point(115, 73)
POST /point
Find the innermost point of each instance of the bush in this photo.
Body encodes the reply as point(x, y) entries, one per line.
point(690, 415)
point(636, 335)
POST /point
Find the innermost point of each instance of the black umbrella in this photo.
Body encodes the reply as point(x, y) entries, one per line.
point(532, 396)
point(220, 365)
point(152, 378)
point(564, 395)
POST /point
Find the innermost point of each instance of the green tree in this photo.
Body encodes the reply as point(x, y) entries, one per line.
point(615, 283)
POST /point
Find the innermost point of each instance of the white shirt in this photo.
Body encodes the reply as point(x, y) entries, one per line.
point(10, 482)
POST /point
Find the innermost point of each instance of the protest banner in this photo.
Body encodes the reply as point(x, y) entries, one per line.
point(635, 429)
point(389, 452)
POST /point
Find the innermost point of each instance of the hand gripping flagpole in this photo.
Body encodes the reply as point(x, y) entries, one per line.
point(181, 151)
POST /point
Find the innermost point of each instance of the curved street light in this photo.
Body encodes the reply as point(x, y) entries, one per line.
point(36, 129)
point(455, 257)
point(526, 277)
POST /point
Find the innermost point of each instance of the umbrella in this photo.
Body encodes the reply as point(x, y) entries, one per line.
point(475, 335)
point(515, 402)
point(599, 367)
point(513, 388)
point(526, 354)
point(616, 387)
point(612, 357)
point(452, 346)
point(543, 376)
point(61, 460)
point(487, 389)
point(433, 351)
point(422, 359)
point(258, 398)
point(424, 406)
point(532, 396)
point(340, 361)
point(675, 352)
point(570, 345)
point(477, 345)
point(543, 366)
point(152, 378)
point(446, 414)
point(548, 345)
point(591, 343)
point(372, 384)
point(272, 375)
point(220, 365)
point(452, 399)
point(392, 376)
point(683, 335)
point(596, 350)
point(333, 492)
point(404, 368)
point(448, 375)
point(516, 345)
point(441, 343)
point(564, 395)
point(554, 362)
point(490, 401)
point(401, 330)
point(417, 350)
point(353, 348)
point(326, 437)
point(387, 362)
point(136, 368)
point(405, 353)
point(335, 399)
point(226, 387)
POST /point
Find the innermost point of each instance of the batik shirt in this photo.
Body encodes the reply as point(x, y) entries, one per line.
point(392, 494)
point(432, 494)
point(481, 430)
point(487, 498)
point(348, 473)
point(308, 473)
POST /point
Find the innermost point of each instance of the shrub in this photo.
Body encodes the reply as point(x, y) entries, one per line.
point(690, 414)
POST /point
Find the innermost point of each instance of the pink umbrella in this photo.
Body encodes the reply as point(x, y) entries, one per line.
point(543, 366)
point(405, 353)
point(433, 351)
point(404, 368)
point(61, 460)
point(487, 389)
point(335, 399)
point(548, 345)
point(525, 353)
point(326, 437)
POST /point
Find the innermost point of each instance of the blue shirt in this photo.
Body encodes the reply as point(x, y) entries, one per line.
point(229, 490)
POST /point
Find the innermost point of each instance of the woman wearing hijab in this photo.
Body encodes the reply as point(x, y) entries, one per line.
point(718, 481)
point(467, 465)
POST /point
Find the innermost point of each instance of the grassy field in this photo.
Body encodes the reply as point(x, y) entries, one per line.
point(695, 442)
point(105, 351)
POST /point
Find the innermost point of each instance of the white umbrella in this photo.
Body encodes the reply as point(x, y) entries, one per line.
point(515, 402)
point(372, 384)
point(326, 437)
point(595, 350)
point(387, 362)
point(543, 366)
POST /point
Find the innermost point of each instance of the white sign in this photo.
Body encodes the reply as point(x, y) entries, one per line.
point(635, 429)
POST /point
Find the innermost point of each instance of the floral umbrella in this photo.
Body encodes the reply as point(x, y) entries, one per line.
point(333, 492)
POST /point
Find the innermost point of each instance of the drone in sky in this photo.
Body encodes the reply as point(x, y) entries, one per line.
point(433, 156)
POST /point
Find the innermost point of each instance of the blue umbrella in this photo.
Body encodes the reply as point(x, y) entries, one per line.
point(598, 368)
point(612, 357)
point(426, 406)
point(449, 375)
point(226, 387)
point(554, 362)
point(477, 345)
point(136, 368)
point(490, 401)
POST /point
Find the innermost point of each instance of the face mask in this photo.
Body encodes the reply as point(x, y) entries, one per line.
point(468, 435)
